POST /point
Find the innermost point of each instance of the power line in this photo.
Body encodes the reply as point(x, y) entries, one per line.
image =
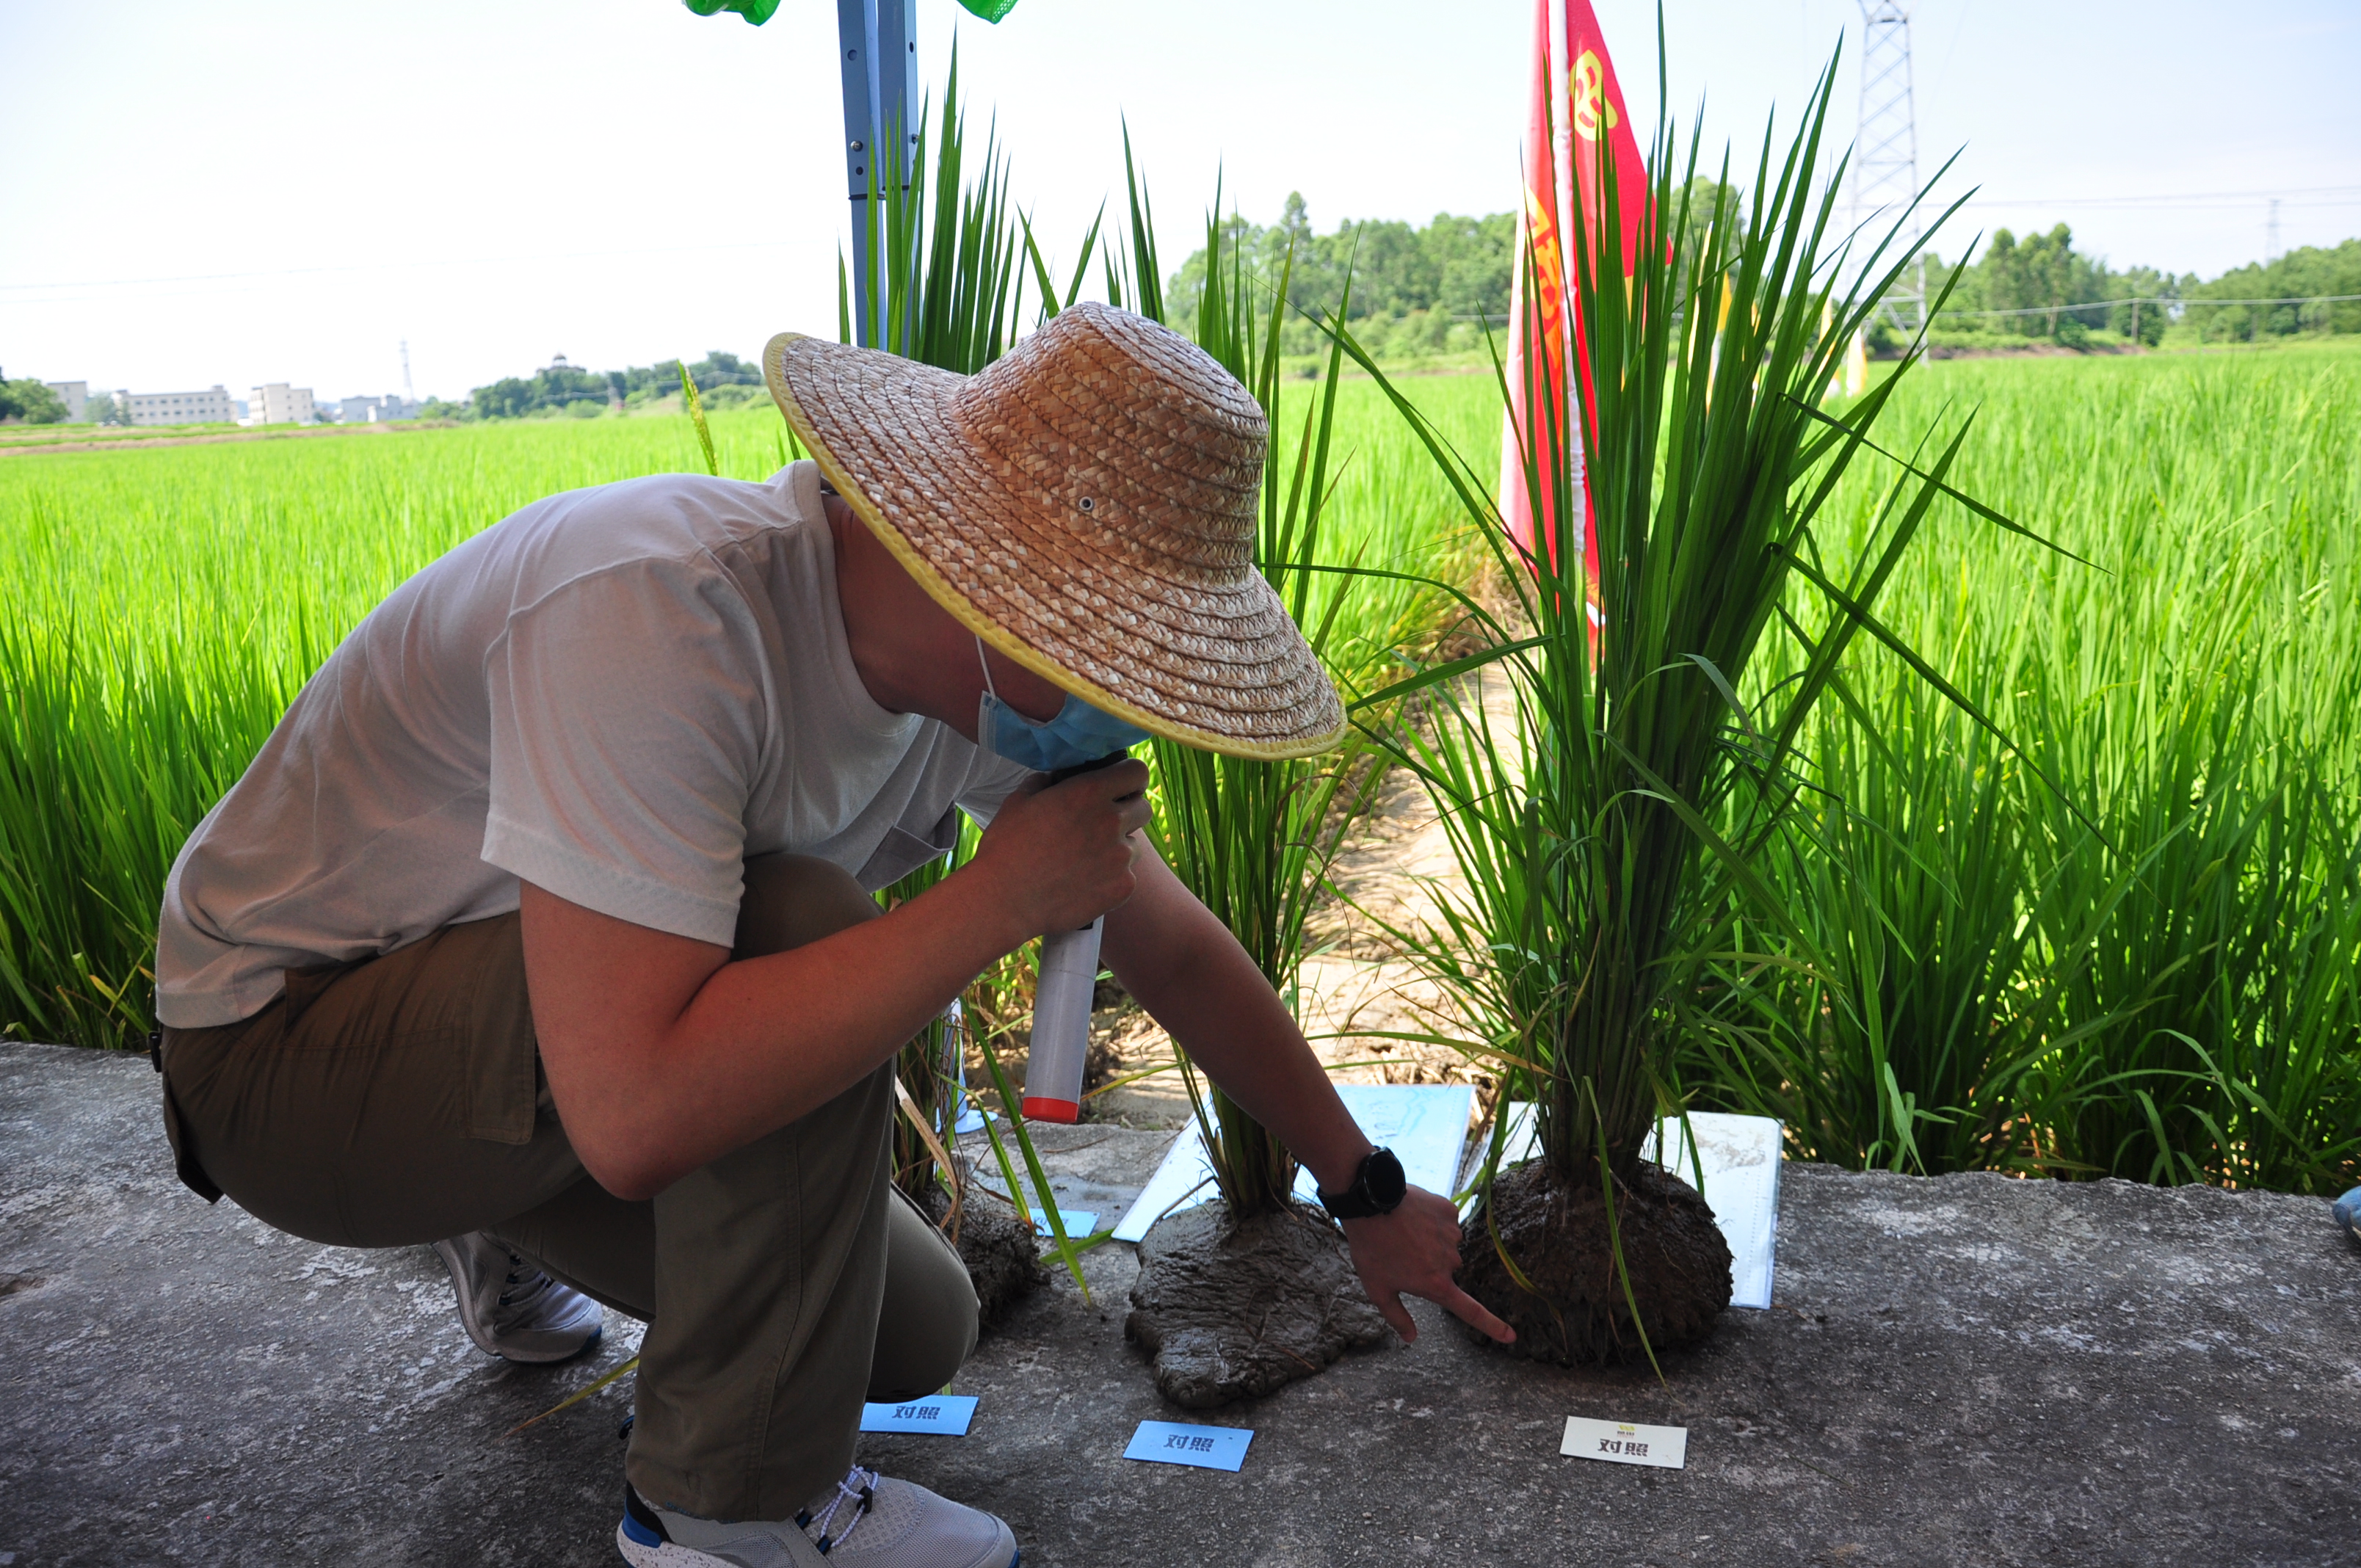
point(2351, 195)
point(2155, 300)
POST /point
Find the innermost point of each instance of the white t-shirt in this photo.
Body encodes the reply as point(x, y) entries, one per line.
point(619, 694)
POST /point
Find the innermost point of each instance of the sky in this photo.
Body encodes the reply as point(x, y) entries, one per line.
point(255, 190)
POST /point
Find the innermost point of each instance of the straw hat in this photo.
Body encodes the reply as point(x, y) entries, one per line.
point(1086, 505)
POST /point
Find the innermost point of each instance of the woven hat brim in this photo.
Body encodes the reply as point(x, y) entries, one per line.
point(1222, 668)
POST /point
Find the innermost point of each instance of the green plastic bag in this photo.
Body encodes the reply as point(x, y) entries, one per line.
point(758, 12)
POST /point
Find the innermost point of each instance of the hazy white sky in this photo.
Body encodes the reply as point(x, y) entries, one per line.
point(259, 190)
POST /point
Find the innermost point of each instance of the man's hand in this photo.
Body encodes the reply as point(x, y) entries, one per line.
point(1059, 856)
point(1191, 976)
point(1414, 1251)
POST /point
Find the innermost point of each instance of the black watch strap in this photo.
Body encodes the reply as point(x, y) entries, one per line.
point(1378, 1187)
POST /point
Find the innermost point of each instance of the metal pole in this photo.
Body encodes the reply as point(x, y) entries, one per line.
point(877, 51)
point(856, 36)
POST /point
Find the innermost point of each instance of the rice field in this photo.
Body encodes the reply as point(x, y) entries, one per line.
point(2148, 970)
point(166, 605)
point(2149, 966)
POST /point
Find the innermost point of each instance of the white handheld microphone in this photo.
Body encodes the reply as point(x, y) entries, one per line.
point(1061, 1007)
point(1061, 1023)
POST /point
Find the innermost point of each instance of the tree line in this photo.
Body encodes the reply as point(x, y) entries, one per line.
point(1430, 289)
point(1435, 290)
point(30, 402)
point(2040, 286)
point(559, 389)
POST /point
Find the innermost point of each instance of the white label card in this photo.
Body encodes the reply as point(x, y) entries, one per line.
point(1626, 1443)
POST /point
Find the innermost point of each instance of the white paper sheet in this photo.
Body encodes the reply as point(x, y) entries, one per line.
point(1424, 1124)
point(1740, 1157)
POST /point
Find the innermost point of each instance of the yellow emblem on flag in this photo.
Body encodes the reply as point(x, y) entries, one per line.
point(1587, 87)
point(1549, 266)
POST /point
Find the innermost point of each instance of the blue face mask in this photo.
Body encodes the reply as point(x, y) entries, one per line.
point(1080, 733)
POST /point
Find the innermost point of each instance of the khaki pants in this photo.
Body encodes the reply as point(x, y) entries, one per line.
point(399, 1101)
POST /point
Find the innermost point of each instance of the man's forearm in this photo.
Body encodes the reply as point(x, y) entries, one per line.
point(651, 1093)
point(1190, 973)
point(1196, 980)
point(663, 1055)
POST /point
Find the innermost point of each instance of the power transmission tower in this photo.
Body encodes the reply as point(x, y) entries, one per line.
point(1885, 168)
point(407, 395)
point(2271, 233)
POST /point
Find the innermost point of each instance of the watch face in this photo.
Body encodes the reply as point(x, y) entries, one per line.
point(1387, 1184)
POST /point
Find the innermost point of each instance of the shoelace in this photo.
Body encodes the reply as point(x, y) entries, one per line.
point(863, 1496)
point(523, 1288)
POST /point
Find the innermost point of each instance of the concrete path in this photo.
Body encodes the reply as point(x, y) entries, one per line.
point(1962, 1371)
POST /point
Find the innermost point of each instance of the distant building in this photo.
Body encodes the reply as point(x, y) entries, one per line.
point(375, 410)
point(75, 395)
point(278, 403)
point(214, 405)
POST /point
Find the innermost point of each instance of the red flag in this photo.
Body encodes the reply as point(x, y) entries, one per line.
point(1598, 118)
point(1537, 342)
point(1572, 118)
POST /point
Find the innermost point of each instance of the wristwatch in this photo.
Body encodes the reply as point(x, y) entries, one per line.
point(1378, 1187)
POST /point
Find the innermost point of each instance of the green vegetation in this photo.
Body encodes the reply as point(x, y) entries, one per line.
point(168, 604)
point(2310, 275)
point(30, 401)
point(2042, 289)
point(560, 390)
point(1415, 291)
point(1921, 956)
point(2171, 990)
point(2191, 691)
point(1253, 838)
point(1609, 824)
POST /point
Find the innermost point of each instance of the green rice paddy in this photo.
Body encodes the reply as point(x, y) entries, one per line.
point(2152, 970)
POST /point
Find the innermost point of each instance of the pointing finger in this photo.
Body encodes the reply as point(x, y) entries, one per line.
point(1469, 1310)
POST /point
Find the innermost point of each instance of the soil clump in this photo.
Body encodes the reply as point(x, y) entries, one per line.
point(1234, 1310)
point(1557, 1233)
point(1002, 1255)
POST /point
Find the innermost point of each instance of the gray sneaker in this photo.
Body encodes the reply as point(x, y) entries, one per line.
point(864, 1521)
point(512, 1309)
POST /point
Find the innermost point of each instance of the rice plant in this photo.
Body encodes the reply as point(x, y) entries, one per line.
point(1253, 837)
point(949, 282)
point(1610, 823)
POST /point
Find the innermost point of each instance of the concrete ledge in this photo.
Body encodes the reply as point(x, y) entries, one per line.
point(1968, 1370)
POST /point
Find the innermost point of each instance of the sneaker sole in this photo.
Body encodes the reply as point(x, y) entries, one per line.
point(653, 1554)
point(553, 1356)
point(660, 1553)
